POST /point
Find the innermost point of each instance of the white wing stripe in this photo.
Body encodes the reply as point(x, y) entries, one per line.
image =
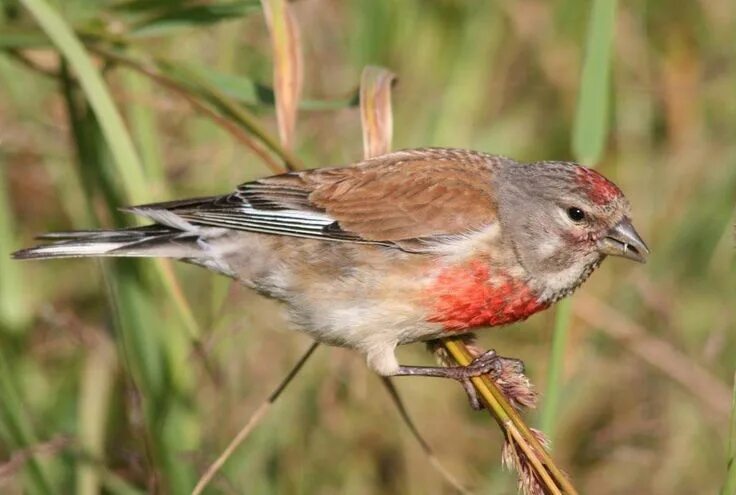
point(306, 215)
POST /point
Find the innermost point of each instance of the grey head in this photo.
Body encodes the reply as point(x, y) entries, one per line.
point(562, 220)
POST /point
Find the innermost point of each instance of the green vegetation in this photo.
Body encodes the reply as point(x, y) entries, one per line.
point(589, 134)
point(132, 377)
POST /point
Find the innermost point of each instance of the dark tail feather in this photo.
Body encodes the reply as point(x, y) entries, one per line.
point(152, 240)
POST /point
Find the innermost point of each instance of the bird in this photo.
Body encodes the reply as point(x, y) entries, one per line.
point(409, 246)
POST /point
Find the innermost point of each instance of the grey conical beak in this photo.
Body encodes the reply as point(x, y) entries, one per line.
point(623, 240)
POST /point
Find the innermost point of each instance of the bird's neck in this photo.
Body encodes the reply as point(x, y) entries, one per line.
point(553, 286)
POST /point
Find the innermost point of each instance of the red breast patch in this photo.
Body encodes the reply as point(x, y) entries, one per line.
point(462, 297)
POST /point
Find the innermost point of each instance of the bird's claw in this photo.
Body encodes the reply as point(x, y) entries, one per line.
point(488, 363)
point(482, 365)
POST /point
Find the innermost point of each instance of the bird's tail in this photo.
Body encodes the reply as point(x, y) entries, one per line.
point(152, 240)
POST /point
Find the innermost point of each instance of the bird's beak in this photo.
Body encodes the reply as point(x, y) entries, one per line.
point(623, 240)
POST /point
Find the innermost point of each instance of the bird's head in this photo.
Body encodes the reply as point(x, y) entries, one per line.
point(563, 220)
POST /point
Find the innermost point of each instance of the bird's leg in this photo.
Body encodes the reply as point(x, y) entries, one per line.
point(488, 362)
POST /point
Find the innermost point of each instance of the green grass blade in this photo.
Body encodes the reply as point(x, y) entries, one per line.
point(192, 16)
point(143, 125)
point(591, 119)
point(16, 422)
point(589, 136)
point(121, 145)
point(553, 391)
point(128, 166)
point(14, 315)
point(153, 349)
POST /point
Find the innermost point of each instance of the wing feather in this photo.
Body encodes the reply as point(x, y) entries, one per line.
point(395, 199)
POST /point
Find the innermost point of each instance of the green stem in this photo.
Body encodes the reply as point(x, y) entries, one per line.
point(588, 140)
point(556, 364)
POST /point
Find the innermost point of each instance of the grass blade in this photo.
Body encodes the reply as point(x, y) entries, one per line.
point(591, 119)
point(97, 386)
point(192, 16)
point(16, 422)
point(376, 117)
point(14, 315)
point(288, 71)
point(150, 346)
point(589, 135)
point(121, 145)
point(253, 421)
point(553, 393)
point(230, 108)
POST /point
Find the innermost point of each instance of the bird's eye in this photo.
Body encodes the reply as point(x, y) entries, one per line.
point(576, 214)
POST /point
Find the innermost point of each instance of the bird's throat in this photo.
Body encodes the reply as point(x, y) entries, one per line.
point(470, 295)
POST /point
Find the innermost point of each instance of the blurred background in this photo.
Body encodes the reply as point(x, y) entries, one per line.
point(132, 378)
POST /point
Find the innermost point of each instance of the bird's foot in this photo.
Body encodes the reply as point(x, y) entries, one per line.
point(487, 363)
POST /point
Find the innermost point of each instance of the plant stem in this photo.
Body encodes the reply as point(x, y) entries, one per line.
point(512, 424)
point(588, 140)
point(556, 365)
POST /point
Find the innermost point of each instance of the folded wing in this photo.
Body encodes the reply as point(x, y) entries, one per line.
point(395, 199)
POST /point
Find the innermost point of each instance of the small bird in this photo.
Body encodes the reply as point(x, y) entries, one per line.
point(409, 246)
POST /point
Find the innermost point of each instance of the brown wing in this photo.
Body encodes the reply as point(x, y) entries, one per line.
point(399, 196)
point(404, 198)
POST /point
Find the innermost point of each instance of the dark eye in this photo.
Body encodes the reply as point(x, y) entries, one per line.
point(575, 214)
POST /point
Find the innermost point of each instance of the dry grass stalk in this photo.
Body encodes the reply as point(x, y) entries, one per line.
point(172, 85)
point(514, 458)
point(288, 65)
point(252, 422)
point(525, 448)
point(426, 448)
point(288, 72)
point(375, 110)
point(376, 116)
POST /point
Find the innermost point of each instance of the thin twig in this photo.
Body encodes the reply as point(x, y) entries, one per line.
point(252, 422)
point(174, 86)
point(426, 448)
point(19, 458)
point(242, 116)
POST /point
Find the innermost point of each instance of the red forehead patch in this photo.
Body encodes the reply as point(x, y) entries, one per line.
point(600, 190)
